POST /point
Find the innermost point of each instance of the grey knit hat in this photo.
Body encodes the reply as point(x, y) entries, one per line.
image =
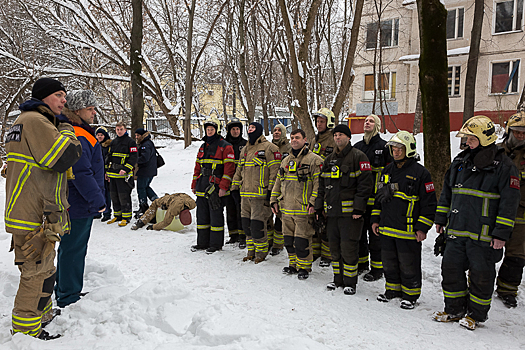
point(79, 99)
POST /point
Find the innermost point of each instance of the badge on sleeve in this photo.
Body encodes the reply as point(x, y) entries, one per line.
point(365, 166)
point(429, 187)
point(514, 182)
point(277, 156)
point(231, 156)
point(132, 149)
point(14, 133)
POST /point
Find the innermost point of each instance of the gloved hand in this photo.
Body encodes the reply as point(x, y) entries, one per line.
point(212, 195)
point(267, 199)
point(34, 245)
point(383, 194)
point(150, 227)
point(439, 245)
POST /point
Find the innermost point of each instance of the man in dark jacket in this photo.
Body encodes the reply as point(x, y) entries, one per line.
point(122, 157)
point(344, 187)
point(86, 197)
point(233, 201)
point(374, 147)
point(147, 169)
point(104, 140)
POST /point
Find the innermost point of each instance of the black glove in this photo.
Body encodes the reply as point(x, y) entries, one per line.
point(212, 195)
point(319, 223)
point(439, 245)
point(358, 212)
point(150, 227)
point(383, 194)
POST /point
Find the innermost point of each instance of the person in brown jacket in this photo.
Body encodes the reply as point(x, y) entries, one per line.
point(175, 204)
point(39, 150)
point(255, 176)
point(294, 195)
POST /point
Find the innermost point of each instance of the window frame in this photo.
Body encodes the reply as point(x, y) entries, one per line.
point(511, 67)
point(456, 23)
point(378, 41)
point(453, 80)
point(516, 28)
point(391, 83)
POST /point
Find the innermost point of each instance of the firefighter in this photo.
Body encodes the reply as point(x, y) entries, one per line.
point(275, 227)
point(475, 218)
point(511, 270)
point(233, 201)
point(177, 204)
point(39, 150)
point(214, 169)
point(405, 204)
point(255, 175)
point(122, 157)
point(374, 147)
point(344, 187)
point(324, 146)
point(294, 196)
point(104, 140)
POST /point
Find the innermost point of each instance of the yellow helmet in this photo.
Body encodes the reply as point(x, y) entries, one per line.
point(403, 138)
point(515, 122)
point(328, 115)
point(213, 121)
point(481, 127)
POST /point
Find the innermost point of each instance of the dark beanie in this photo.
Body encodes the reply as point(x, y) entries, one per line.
point(342, 128)
point(140, 131)
point(103, 132)
point(44, 87)
point(254, 135)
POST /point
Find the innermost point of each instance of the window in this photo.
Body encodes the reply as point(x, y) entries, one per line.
point(505, 77)
point(454, 79)
point(386, 83)
point(509, 16)
point(389, 34)
point(455, 23)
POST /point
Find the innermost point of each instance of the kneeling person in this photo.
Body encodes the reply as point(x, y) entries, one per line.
point(295, 191)
point(174, 204)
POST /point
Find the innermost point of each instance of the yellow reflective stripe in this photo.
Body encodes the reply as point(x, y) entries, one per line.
point(226, 177)
point(275, 194)
point(504, 221)
point(484, 302)
point(22, 178)
point(20, 224)
point(129, 166)
point(122, 155)
point(236, 183)
point(376, 212)
point(350, 270)
point(50, 156)
point(229, 160)
point(371, 201)
point(22, 158)
point(410, 291)
point(459, 294)
point(117, 176)
point(69, 133)
point(215, 228)
point(336, 267)
point(441, 209)
point(393, 286)
point(354, 173)
point(210, 161)
point(58, 200)
point(392, 232)
point(294, 211)
point(363, 259)
point(475, 193)
point(404, 196)
point(471, 235)
point(426, 221)
point(273, 162)
point(376, 264)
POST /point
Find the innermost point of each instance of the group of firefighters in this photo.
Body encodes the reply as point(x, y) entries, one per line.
point(363, 207)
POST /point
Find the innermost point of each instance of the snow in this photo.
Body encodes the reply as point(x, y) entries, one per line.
point(147, 290)
point(450, 53)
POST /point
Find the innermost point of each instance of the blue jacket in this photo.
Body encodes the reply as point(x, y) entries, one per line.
point(147, 162)
point(86, 191)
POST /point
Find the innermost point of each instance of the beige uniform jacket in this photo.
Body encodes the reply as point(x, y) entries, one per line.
point(324, 144)
point(284, 146)
point(518, 158)
point(257, 169)
point(297, 183)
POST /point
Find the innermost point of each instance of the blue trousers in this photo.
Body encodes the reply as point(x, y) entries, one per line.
point(71, 261)
point(107, 193)
point(144, 190)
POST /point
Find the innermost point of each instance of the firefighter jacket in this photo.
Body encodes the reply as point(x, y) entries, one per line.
point(258, 166)
point(297, 182)
point(215, 164)
point(237, 143)
point(284, 146)
point(324, 144)
point(39, 151)
point(345, 183)
point(379, 157)
point(86, 189)
point(122, 155)
point(480, 202)
point(518, 158)
point(147, 160)
point(413, 204)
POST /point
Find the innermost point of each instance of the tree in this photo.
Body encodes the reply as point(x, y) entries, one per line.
point(137, 109)
point(433, 81)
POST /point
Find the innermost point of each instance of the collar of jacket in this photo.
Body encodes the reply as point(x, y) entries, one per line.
point(38, 106)
point(143, 138)
point(321, 133)
point(373, 139)
point(106, 143)
point(345, 151)
point(302, 152)
point(68, 116)
point(282, 141)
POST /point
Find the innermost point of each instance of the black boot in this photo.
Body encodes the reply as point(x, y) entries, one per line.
point(142, 209)
point(234, 238)
point(138, 224)
point(242, 241)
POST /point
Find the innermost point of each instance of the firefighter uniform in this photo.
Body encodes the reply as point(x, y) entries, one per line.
point(379, 157)
point(255, 176)
point(122, 155)
point(478, 204)
point(344, 187)
point(39, 151)
point(295, 190)
point(215, 165)
point(175, 203)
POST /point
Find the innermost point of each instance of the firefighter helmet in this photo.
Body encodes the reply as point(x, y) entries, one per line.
point(515, 122)
point(328, 115)
point(213, 121)
point(403, 138)
point(234, 122)
point(481, 127)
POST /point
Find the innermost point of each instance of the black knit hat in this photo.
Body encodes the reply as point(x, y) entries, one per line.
point(140, 131)
point(342, 128)
point(44, 87)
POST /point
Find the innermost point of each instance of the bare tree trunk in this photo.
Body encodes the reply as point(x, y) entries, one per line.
point(472, 65)
point(188, 86)
point(137, 108)
point(433, 81)
point(418, 113)
point(521, 103)
point(250, 108)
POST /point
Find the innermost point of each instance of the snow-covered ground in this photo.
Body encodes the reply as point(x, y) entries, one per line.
point(147, 290)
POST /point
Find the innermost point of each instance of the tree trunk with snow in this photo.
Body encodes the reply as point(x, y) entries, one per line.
point(246, 91)
point(433, 81)
point(418, 113)
point(188, 86)
point(137, 107)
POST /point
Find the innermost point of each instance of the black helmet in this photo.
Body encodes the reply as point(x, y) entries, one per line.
point(234, 122)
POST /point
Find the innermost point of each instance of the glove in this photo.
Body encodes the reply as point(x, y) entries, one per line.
point(212, 195)
point(439, 244)
point(150, 227)
point(358, 212)
point(34, 245)
point(383, 194)
point(319, 224)
point(267, 199)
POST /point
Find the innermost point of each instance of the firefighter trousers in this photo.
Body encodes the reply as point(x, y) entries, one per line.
point(511, 270)
point(473, 295)
point(255, 212)
point(369, 247)
point(344, 233)
point(402, 266)
point(274, 230)
point(233, 213)
point(210, 224)
point(121, 198)
point(298, 233)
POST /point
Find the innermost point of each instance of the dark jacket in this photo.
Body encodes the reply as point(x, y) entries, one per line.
point(379, 157)
point(237, 143)
point(345, 183)
point(481, 201)
point(413, 205)
point(122, 155)
point(147, 163)
point(86, 190)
